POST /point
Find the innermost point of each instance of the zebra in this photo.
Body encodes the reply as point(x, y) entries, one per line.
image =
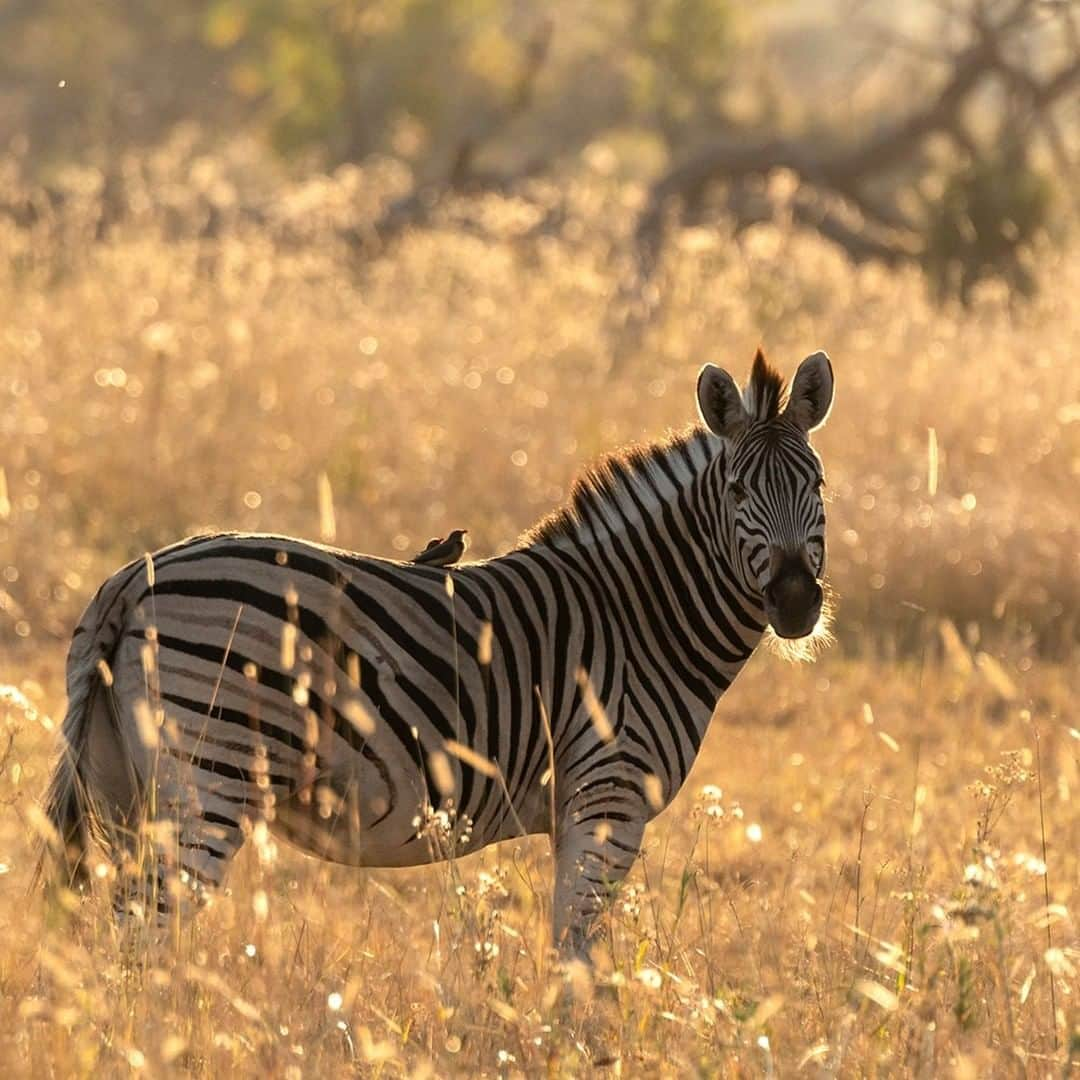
point(381, 713)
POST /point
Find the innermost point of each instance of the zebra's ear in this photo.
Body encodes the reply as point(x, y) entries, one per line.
point(811, 392)
point(719, 403)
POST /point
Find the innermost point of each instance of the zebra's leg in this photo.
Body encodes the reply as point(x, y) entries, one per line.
point(193, 826)
point(593, 854)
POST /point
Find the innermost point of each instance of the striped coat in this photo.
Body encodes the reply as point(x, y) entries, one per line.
point(380, 713)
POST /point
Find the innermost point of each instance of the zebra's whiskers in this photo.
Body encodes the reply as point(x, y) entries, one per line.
point(805, 650)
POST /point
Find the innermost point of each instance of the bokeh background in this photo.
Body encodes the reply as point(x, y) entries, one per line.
point(430, 258)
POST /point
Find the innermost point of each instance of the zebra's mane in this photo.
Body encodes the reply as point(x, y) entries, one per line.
point(765, 391)
point(620, 485)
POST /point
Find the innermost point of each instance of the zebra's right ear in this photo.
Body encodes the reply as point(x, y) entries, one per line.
point(720, 403)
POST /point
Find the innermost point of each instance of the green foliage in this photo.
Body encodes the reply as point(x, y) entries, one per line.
point(988, 215)
point(345, 78)
point(351, 77)
point(680, 60)
point(418, 76)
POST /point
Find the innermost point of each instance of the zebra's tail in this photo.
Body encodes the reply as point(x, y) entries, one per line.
point(69, 806)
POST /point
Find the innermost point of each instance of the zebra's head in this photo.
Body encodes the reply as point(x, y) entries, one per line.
point(768, 484)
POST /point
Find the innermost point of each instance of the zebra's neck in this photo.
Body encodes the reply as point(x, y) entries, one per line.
point(648, 527)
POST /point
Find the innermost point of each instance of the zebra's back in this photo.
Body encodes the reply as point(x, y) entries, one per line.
point(307, 685)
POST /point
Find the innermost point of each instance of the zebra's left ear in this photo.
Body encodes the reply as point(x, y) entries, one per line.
point(811, 392)
point(720, 404)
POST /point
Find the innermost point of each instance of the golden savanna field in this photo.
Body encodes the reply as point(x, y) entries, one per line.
point(874, 869)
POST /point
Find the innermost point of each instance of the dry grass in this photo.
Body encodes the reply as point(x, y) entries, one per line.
point(879, 905)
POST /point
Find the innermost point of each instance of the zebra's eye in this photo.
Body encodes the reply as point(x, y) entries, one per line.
point(737, 492)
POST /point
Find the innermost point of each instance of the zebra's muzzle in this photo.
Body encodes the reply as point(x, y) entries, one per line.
point(793, 599)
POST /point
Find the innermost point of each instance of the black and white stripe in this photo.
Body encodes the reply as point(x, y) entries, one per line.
point(246, 677)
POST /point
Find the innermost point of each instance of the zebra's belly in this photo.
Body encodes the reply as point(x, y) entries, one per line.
point(345, 841)
point(344, 819)
point(350, 815)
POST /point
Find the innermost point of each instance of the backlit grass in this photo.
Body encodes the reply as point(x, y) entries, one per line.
point(854, 880)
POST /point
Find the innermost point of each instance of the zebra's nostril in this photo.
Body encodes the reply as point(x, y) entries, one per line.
point(798, 590)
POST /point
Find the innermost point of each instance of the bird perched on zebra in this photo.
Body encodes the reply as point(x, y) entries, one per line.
point(444, 551)
point(379, 713)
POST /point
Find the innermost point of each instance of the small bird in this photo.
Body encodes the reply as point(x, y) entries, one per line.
point(444, 552)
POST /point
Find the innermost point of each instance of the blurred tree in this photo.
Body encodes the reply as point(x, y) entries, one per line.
point(679, 62)
point(991, 209)
point(857, 189)
point(81, 81)
point(352, 77)
point(347, 78)
point(479, 95)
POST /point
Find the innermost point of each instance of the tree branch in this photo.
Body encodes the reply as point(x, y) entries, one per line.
point(846, 171)
point(859, 245)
